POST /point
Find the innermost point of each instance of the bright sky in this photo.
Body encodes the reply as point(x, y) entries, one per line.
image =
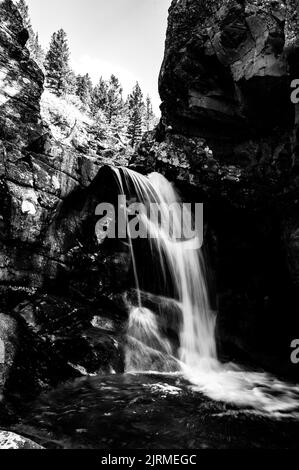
point(124, 37)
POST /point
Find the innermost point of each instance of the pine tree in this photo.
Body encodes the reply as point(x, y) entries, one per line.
point(84, 89)
point(72, 83)
point(100, 97)
point(119, 125)
point(136, 110)
point(149, 116)
point(57, 64)
point(114, 103)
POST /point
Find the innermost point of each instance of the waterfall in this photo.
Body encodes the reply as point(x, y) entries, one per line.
point(181, 265)
point(171, 325)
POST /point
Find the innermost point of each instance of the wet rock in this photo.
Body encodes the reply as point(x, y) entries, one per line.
point(85, 337)
point(49, 340)
point(167, 311)
point(10, 440)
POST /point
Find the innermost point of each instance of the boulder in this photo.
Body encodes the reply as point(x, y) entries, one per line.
point(10, 440)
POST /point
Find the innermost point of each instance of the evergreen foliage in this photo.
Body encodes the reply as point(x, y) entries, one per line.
point(115, 104)
point(149, 116)
point(57, 64)
point(135, 112)
point(84, 89)
point(100, 96)
point(115, 119)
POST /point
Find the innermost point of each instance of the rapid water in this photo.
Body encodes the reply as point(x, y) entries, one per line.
point(146, 411)
point(180, 264)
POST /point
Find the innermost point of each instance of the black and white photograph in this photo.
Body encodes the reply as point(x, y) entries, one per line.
point(149, 229)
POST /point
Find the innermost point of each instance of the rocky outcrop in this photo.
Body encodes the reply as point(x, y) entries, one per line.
point(228, 138)
point(225, 85)
point(225, 76)
point(32, 184)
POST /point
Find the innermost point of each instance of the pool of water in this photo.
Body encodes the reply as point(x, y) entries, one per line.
point(148, 411)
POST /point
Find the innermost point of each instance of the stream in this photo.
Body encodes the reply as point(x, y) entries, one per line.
point(148, 411)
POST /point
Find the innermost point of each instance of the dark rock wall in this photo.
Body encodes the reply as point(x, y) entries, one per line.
point(225, 76)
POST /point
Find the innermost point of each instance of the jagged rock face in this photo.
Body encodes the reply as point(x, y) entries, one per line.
point(21, 84)
point(37, 173)
point(225, 76)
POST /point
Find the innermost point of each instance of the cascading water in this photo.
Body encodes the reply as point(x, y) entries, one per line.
point(179, 263)
point(182, 262)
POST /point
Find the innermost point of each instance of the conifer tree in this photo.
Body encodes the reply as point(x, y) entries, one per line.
point(57, 64)
point(114, 103)
point(72, 83)
point(149, 116)
point(135, 111)
point(100, 96)
point(84, 89)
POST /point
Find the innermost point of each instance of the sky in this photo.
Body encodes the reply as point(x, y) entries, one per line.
point(124, 37)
